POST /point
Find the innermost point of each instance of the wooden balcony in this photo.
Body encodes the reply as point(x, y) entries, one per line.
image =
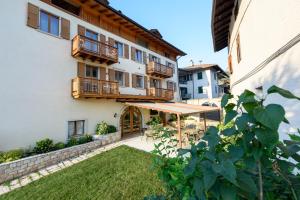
point(159, 70)
point(94, 50)
point(161, 93)
point(92, 88)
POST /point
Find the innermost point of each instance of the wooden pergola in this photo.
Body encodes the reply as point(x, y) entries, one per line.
point(180, 109)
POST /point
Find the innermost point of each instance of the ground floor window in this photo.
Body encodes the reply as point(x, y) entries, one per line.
point(75, 128)
point(200, 90)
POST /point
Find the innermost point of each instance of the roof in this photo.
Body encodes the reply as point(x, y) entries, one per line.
point(180, 52)
point(175, 108)
point(204, 67)
point(220, 21)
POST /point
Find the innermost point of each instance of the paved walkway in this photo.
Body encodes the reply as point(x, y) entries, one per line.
point(137, 142)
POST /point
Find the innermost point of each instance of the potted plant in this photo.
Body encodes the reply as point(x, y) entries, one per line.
point(104, 131)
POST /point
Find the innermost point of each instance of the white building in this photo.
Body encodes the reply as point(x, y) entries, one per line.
point(69, 64)
point(262, 37)
point(202, 81)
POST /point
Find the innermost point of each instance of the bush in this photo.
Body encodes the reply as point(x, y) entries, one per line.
point(173, 118)
point(59, 146)
point(85, 139)
point(72, 142)
point(12, 155)
point(44, 146)
point(154, 121)
point(111, 129)
point(102, 128)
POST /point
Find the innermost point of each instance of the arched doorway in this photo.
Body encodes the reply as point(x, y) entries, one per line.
point(131, 121)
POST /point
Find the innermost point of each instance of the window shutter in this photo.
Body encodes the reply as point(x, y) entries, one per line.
point(175, 88)
point(145, 82)
point(111, 74)
point(81, 30)
point(126, 48)
point(103, 41)
point(81, 70)
point(102, 73)
point(133, 80)
point(33, 16)
point(230, 64)
point(111, 41)
point(65, 29)
point(170, 85)
point(126, 79)
point(133, 53)
point(144, 57)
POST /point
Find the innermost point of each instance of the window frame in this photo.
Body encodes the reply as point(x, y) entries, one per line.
point(92, 73)
point(141, 79)
point(75, 134)
point(137, 52)
point(198, 75)
point(201, 90)
point(123, 78)
point(49, 15)
point(123, 48)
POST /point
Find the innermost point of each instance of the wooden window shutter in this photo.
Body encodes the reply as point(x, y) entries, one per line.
point(145, 57)
point(175, 88)
point(33, 16)
point(81, 70)
point(81, 30)
point(111, 74)
point(102, 38)
point(132, 53)
point(126, 48)
point(102, 73)
point(111, 41)
point(145, 82)
point(170, 85)
point(126, 79)
point(65, 29)
point(238, 49)
point(230, 64)
point(133, 80)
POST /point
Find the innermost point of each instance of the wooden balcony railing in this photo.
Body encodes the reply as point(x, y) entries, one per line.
point(160, 70)
point(85, 47)
point(89, 87)
point(161, 93)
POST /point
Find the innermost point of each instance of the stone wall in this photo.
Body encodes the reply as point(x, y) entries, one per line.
point(18, 168)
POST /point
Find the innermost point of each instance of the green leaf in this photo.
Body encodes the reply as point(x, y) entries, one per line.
point(257, 153)
point(190, 168)
point(229, 131)
point(228, 192)
point(285, 120)
point(294, 137)
point(225, 99)
point(209, 176)
point(229, 107)
point(230, 116)
point(246, 182)
point(249, 107)
point(246, 97)
point(242, 121)
point(198, 187)
point(235, 153)
point(267, 137)
point(282, 92)
point(229, 171)
point(271, 116)
point(212, 137)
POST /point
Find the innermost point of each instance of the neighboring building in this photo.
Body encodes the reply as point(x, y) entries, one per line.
point(262, 37)
point(202, 81)
point(69, 64)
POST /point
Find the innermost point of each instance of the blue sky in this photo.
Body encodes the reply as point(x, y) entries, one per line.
point(183, 23)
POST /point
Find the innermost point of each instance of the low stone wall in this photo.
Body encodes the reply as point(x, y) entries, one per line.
point(18, 168)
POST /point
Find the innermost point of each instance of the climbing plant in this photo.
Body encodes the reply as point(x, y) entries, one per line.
point(241, 159)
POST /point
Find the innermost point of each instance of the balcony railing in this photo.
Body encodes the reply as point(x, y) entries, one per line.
point(85, 47)
point(90, 87)
point(161, 93)
point(160, 70)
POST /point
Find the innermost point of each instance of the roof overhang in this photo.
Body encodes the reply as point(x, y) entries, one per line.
point(220, 22)
point(174, 108)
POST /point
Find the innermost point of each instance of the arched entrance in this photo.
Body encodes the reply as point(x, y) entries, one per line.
point(131, 121)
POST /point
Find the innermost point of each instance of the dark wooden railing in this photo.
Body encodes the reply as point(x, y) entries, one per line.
point(85, 87)
point(158, 69)
point(84, 46)
point(161, 93)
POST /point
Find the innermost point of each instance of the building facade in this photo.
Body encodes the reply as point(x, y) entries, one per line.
point(204, 81)
point(262, 37)
point(69, 64)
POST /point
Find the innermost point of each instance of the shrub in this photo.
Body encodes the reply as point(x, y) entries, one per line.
point(11, 155)
point(154, 121)
point(59, 145)
point(44, 146)
point(102, 128)
point(85, 139)
point(111, 129)
point(72, 142)
point(173, 118)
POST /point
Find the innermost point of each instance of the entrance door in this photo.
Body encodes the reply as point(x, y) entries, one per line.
point(131, 121)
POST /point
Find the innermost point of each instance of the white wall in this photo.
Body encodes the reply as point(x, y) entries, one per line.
point(35, 88)
point(264, 28)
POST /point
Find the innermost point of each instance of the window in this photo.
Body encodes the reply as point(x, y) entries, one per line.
point(139, 56)
point(120, 47)
point(199, 75)
point(91, 72)
point(139, 81)
point(49, 23)
point(91, 44)
point(200, 90)
point(190, 77)
point(154, 58)
point(75, 128)
point(119, 77)
point(238, 49)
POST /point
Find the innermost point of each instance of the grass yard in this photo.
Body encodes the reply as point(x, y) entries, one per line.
point(121, 173)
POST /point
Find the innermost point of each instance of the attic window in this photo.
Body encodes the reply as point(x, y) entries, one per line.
point(66, 5)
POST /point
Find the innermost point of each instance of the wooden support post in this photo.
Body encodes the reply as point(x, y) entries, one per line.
point(204, 115)
point(179, 130)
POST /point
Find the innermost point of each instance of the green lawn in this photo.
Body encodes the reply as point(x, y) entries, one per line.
point(121, 173)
